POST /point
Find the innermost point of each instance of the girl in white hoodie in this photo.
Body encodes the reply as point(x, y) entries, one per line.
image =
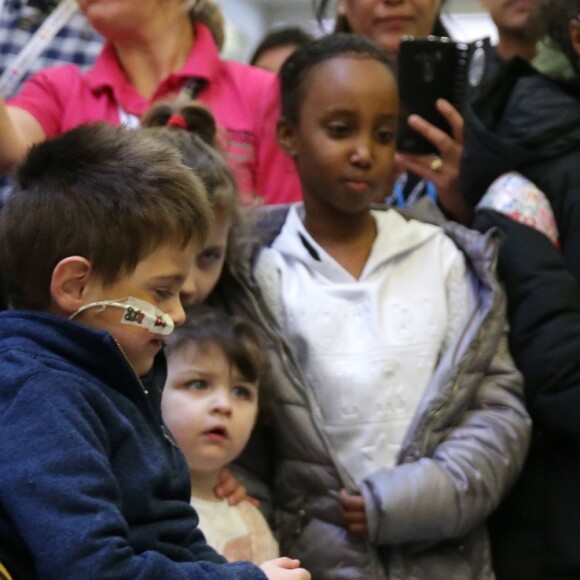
point(396, 409)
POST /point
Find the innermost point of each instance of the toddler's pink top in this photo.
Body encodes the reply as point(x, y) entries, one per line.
point(243, 99)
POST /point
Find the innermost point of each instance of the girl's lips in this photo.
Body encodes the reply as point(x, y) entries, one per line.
point(216, 435)
point(359, 186)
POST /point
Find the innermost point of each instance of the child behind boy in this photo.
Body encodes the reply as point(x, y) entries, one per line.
point(210, 404)
point(95, 244)
point(191, 129)
point(397, 411)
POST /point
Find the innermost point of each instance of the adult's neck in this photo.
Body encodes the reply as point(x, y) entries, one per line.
point(510, 45)
point(150, 57)
point(203, 484)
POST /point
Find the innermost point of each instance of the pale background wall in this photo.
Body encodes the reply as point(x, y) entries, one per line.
point(249, 20)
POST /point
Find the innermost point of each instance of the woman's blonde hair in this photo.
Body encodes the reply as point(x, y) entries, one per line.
point(209, 13)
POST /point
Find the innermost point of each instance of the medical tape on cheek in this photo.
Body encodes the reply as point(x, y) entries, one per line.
point(136, 313)
point(145, 315)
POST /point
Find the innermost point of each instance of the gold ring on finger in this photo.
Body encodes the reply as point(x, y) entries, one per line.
point(437, 164)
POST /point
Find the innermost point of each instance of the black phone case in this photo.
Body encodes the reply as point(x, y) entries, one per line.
point(429, 68)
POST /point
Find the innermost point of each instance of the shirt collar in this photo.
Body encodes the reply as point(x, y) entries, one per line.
point(203, 62)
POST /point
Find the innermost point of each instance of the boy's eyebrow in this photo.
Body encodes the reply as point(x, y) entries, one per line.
point(169, 278)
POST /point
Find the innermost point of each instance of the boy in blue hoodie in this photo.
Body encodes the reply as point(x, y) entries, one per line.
point(95, 243)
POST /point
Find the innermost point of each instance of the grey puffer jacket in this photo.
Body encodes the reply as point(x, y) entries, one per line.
point(463, 451)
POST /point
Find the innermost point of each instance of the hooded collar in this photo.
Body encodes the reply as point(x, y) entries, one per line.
point(395, 236)
point(93, 353)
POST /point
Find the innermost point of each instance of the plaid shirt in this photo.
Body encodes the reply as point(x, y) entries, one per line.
point(76, 42)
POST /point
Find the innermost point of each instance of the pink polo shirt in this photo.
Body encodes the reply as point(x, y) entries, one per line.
point(243, 99)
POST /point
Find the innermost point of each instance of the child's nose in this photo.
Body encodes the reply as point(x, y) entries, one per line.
point(221, 402)
point(177, 312)
point(188, 293)
point(362, 153)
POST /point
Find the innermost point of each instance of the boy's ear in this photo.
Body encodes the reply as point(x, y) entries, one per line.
point(286, 136)
point(575, 35)
point(70, 278)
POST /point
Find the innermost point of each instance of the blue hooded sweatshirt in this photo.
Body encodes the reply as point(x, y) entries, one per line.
point(92, 485)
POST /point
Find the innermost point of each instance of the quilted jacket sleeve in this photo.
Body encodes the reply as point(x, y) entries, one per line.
point(459, 473)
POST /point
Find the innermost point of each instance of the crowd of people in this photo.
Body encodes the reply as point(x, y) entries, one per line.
point(242, 336)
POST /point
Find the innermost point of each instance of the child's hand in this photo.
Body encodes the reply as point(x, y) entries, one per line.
point(228, 487)
point(284, 569)
point(353, 511)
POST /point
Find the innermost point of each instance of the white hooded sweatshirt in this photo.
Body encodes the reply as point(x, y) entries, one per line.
point(369, 346)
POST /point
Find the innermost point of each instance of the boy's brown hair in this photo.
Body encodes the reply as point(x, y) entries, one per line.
point(108, 194)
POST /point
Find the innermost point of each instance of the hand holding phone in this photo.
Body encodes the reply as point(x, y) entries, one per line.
point(429, 68)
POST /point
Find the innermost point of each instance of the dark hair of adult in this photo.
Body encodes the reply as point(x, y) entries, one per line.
point(109, 194)
point(556, 15)
point(295, 70)
point(342, 25)
point(287, 36)
point(235, 337)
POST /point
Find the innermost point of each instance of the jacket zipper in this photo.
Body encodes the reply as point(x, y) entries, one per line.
point(164, 431)
point(313, 411)
point(433, 417)
point(312, 406)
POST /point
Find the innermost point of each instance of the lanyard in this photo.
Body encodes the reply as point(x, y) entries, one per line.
point(128, 119)
point(423, 187)
point(190, 89)
point(43, 36)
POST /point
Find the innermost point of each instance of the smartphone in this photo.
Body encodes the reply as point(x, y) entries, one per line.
point(429, 68)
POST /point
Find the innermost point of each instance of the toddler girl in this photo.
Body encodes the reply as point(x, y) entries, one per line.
point(192, 130)
point(210, 404)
